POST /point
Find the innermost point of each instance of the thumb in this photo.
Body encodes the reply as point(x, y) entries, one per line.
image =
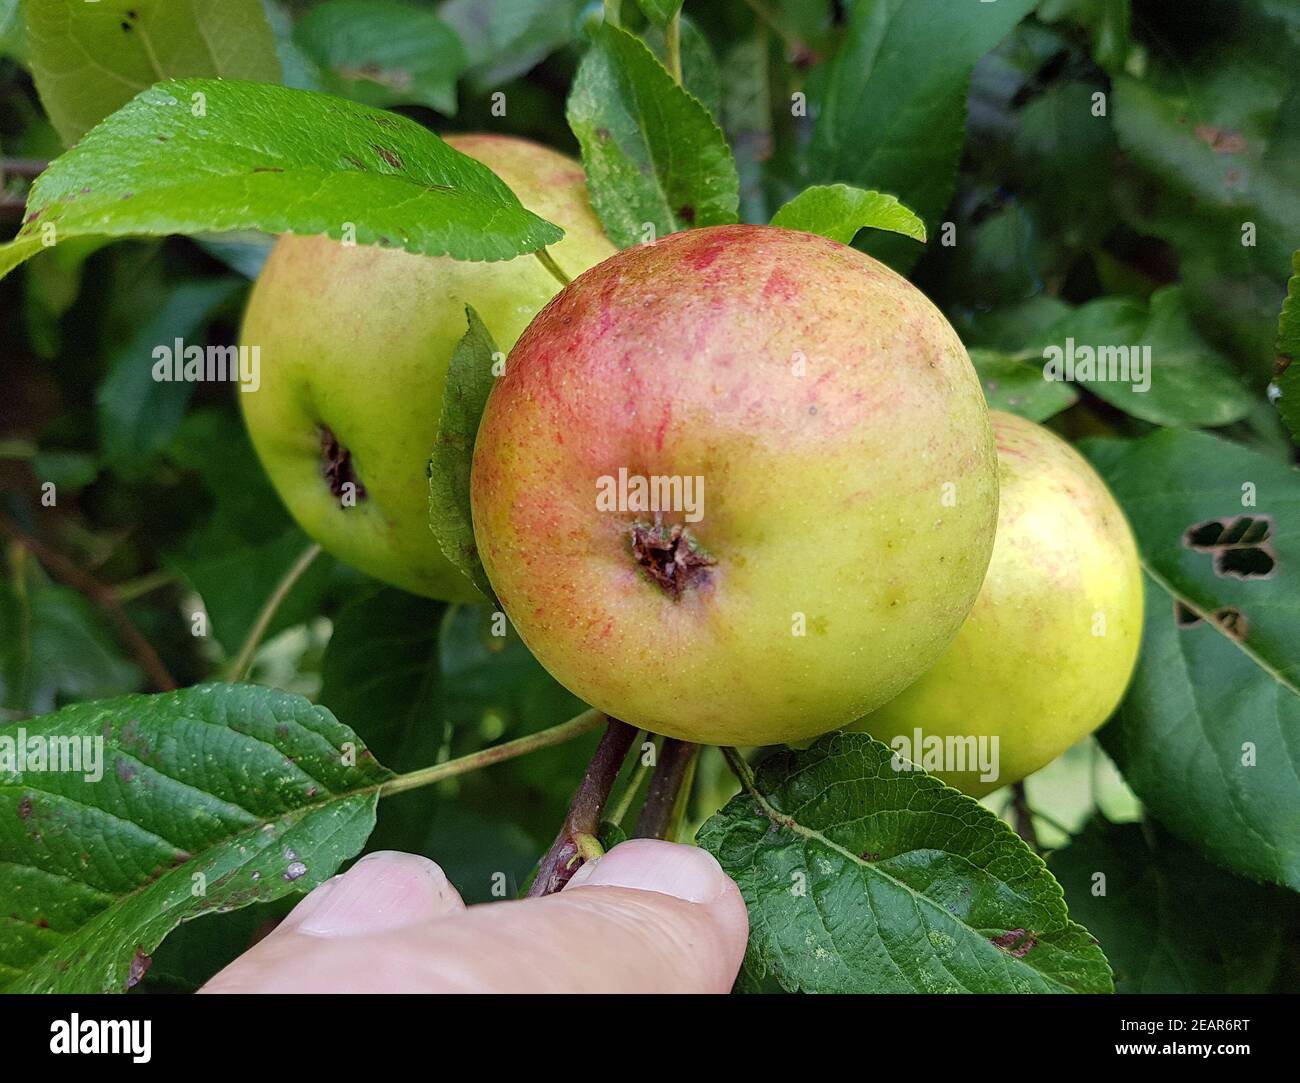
point(649, 916)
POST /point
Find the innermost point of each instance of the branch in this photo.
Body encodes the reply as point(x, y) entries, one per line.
point(67, 571)
point(582, 823)
point(31, 168)
point(1022, 816)
point(656, 817)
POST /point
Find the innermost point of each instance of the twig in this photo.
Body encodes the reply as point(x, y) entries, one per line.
point(12, 208)
point(146, 584)
point(657, 813)
point(31, 168)
point(1022, 816)
point(427, 776)
point(66, 570)
point(238, 669)
point(574, 842)
point(799, 51)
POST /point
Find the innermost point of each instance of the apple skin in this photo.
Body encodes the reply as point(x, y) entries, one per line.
point(823, 494)
point(357, 339)
point(1027, 665)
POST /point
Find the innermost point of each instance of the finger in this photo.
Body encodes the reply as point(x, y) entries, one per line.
point(383, 891)
point(648, 917)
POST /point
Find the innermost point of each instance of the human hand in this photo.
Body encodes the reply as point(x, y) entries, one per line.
point(647, 917)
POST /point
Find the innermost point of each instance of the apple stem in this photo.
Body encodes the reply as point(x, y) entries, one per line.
point(658, 813)
point(624, 802)
point(573, 844)
point(548, 261)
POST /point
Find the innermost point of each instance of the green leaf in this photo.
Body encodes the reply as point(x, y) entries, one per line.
point(700, 74)
point(13, 31)
point(860, 878)
point(1286, 388)
point(491, 678)
point(1106, 20)
point(652, 153)
point(382, 665)
point(891, 111)
point(210, 799)
point(503, 39)
point(660, 12)
point(137, 414)
point(384, 52)
point(610, 834)
point(90, 59)
point(1214, 140)
point(72, 470)
point(747, 119)
point(1191, 383)
point(235, 584)
point(1158, 908)
point(838, 211)
point(469, 380)
point(54, 647)
point(278, 160)
point(1014, 383)
point(1208, 735)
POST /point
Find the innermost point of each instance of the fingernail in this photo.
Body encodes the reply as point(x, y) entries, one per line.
point(685, 872)
point(382, 891)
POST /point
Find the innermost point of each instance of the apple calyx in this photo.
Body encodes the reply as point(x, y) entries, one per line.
point(669, 556)
point(336, 466)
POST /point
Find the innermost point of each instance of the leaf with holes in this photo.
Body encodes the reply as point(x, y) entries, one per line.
point(160, 809)
point(860, 878)
point(1286, 388)
point(202, 155)
point(89, 59)
point(469, 381)
point(1208, 735)
point(839, 211)
point(652, 153)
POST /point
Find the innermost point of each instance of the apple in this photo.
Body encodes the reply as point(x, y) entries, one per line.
point(354, 345)
point(831, 489)
point(1047, 651)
